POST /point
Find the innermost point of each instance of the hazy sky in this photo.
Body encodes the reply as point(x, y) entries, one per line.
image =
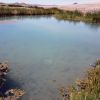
point(51, 1)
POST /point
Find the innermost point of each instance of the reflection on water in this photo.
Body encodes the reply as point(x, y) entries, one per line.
point(9, 18)
point(45, 53)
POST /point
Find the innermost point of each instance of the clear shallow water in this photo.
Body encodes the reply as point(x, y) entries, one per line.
point(45, 53)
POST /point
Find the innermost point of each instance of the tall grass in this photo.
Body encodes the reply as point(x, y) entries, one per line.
point(85, 89)
point(59, 14)
point(6, 10)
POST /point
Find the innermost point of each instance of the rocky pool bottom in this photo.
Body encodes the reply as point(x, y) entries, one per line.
point(87, 88)
point(6, 91)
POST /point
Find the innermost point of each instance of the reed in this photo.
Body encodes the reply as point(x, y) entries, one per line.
point(59, 14)
point(6, 10)
point(87, 88)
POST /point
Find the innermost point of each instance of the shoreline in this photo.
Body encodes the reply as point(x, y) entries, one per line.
point(86, 88)
point(75, 15)
point(7, 94)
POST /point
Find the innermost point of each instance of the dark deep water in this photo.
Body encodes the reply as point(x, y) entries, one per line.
point(45, 53)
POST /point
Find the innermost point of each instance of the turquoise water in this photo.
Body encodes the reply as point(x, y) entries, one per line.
point(45, 53)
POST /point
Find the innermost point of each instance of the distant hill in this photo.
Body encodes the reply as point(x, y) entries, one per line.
point(17, 4)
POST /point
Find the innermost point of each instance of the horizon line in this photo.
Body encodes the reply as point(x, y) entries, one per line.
point(52, 4)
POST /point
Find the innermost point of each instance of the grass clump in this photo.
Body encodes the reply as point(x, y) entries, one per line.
point(85, 89)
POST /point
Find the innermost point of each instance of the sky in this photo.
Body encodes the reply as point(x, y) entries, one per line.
point(50, 2)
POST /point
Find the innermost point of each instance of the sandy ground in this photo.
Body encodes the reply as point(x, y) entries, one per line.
point(81, 7)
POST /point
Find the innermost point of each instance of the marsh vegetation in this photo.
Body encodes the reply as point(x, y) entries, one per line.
point(58, 13)
point(87, 88)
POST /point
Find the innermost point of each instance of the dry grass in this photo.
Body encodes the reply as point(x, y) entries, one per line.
point(58, 13)
point(85, 89)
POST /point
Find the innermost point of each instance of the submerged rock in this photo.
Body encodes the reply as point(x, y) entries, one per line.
point(12, 94)
point(3, 72)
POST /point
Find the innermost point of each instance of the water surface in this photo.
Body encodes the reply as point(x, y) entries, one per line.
point(45, 53)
